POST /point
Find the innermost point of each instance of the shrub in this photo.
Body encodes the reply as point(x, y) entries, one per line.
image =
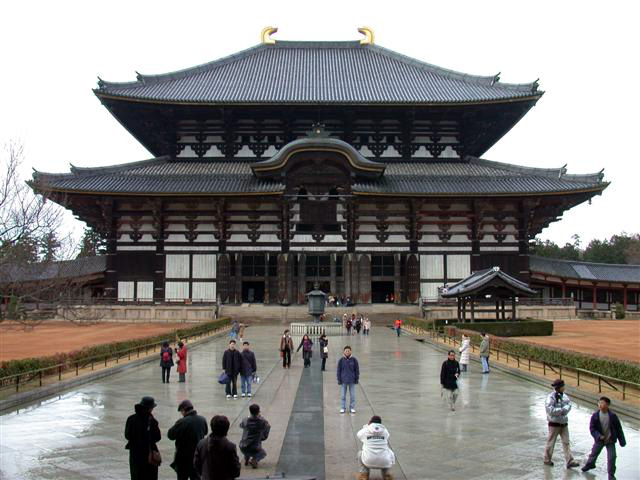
point(521, 328)
point(619, 311)
point(68, 360)
point(427, 324)
point(620, 369)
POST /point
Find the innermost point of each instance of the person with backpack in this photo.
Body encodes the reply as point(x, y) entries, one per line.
point(142, 434)
point(324, 350)
point(166, 361)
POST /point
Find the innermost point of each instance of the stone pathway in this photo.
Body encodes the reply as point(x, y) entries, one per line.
point(497, 432)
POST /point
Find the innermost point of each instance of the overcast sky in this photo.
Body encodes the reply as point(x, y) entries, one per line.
point(585, 54)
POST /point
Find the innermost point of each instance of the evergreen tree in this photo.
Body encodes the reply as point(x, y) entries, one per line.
point(92, 244)
point(49, 247)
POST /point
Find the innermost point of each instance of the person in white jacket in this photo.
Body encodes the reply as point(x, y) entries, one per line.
point(465, 348)
point(375, 452)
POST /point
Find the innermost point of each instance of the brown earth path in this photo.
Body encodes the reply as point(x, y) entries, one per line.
point(53, 337)
point(618, 339)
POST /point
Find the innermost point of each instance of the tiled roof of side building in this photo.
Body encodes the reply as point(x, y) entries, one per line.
point(477, 282)
point(53, 271)
point(585, 270)
point(216, 176)
point(318, 72)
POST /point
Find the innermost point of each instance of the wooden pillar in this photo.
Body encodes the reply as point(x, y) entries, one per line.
point(111, 231)
point(497, 310)
point(513, 308)
point(459, 311)
point(238, 278)
point(159, 236)
point(473, 308)
point(332, 274)
point(267, 293)
point(397, 280)
point(503, 309)
point(624, 297)
point(594, 293)
point(564, 290)
point(302, 280)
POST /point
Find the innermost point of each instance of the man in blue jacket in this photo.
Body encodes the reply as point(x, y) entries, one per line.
point(348, 373)
point(606, 430)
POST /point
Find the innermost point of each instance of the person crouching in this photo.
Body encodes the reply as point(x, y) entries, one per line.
point(255, 430)
point(375, 452)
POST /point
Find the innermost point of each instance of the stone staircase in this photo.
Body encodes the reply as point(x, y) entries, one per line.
point(379, 314)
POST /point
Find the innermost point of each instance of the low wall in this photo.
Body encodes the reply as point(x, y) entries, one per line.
point(540, 312)
point(144, 313)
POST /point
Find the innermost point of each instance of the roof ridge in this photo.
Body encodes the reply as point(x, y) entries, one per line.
point(489, 80)
point(143, 79)
point(558, 173)
point(120, 166)
point(581, 262)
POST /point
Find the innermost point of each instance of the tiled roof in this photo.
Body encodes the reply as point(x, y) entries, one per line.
point(62, 270)
point(472, 176)
point(317, 72)
point(476, 282)
point(585, 270)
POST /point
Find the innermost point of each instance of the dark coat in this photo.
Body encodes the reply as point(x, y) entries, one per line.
point(255, 430)
point(286, 342)
point(448, 374)
point(324, 342)
point(615, 427)
point(216, 458)
point(170, 362)
point(348, 370)
point(187, 432)
point(142, 434)
point(231, 362)
point(306, 348)
point(249, 365)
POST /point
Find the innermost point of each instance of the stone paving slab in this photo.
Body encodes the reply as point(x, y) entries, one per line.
point(497, 432)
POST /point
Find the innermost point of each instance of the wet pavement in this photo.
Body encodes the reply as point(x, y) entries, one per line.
point(497, 432)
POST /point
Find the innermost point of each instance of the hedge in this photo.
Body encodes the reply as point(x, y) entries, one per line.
point(68, 359)
point(521, 328)
point(427, 324)
point(620, 369)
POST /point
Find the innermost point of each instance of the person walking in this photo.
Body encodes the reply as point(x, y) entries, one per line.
point(349, 325)
point(465, 348)
point(606, 430)
point(306, 344)
point(348, 373)
point(216, 458)
point(375, 452)
point(324, 350)
point(358, 326)
point(398, 326)
point(142, 433)
point(241, 332)
point(485, 352)
point(231, 364)
point(366, 326)
point(235, 328)
point(286, 347)
point(187, 433)
point(255, 430)
point(558, 406)
point(181, 353)
point(449, 374)
point(248, 369)
point(166, 361)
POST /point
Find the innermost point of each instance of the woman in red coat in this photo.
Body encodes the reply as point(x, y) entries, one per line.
point(182, 361)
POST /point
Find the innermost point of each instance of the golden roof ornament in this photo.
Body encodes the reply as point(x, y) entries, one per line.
point(265, 36)
point(368, 35)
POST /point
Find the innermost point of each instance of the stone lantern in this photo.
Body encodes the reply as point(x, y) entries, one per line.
point(317, 300)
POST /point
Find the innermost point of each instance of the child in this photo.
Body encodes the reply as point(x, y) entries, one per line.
point(606, 430)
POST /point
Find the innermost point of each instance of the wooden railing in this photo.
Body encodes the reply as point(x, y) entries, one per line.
point(582, 378)
point(56, 373)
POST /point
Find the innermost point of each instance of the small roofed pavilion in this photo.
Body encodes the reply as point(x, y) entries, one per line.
point(491, 284)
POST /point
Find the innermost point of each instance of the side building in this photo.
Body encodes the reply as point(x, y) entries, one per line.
point(290, 163)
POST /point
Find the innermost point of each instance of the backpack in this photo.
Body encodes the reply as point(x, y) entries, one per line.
point(165, 356)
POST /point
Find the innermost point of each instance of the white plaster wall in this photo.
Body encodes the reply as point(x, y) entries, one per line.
point(177, 266)
point(458, 266)
point(431, 266)
point(125, 291)
point(203, 291)
point(204, 266)
point(176, 291)
point(145, 291)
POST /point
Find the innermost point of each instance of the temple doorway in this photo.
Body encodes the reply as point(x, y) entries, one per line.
point(253, 292)
point(381, 292)
point(325, 286)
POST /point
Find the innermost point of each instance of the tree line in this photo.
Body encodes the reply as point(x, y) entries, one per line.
point(623, 248)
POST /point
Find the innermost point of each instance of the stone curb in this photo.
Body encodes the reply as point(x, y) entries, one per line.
point(592, 398)
point(43, 392)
